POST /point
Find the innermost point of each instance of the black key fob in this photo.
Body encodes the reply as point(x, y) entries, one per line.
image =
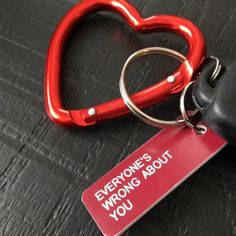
point(217, 103)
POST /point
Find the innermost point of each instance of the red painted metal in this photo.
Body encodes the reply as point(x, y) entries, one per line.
point(187, 152)
point(144, 98)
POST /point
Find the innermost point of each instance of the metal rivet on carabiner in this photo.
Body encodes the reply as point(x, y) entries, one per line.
point(171, 79)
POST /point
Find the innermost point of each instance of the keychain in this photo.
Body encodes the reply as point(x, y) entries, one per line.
point(144, 178)
point(133, 187)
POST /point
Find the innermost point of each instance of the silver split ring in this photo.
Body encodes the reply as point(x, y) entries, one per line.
point(127, 100)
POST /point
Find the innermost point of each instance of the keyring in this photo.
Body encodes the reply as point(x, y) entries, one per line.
point(131, 105)
point(199, 129)
point(217, 70)
point(149, 96)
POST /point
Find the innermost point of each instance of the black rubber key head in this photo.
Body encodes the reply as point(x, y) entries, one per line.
point(218, 103)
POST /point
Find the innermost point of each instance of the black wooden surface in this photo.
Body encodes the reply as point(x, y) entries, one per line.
point(45, 168)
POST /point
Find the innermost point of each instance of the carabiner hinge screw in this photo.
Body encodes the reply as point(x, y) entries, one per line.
point(171, 79)
point(92, 111)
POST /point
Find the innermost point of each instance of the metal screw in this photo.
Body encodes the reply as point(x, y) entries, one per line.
point(171, 79)
point(92, 111)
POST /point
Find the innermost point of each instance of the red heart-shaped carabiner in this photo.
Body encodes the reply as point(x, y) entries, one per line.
point(144, 98)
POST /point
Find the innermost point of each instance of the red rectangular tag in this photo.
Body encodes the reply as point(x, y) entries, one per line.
point(129, 190)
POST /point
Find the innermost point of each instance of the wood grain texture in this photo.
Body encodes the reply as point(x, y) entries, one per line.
point(45, 168)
